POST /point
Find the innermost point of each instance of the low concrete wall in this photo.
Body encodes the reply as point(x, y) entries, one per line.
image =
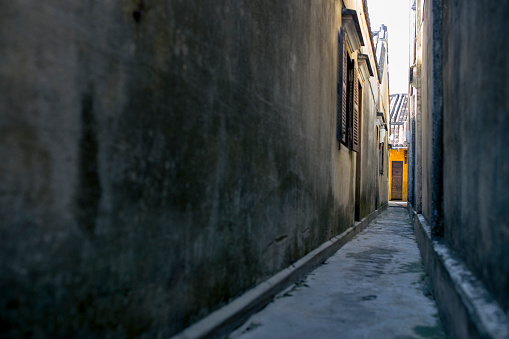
point(467, 308)
point(231, 316)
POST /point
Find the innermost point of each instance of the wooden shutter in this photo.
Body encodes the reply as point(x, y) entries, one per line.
point(355, 122)
point(342, 88)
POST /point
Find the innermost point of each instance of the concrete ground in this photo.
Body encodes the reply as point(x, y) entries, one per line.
point(373, 287)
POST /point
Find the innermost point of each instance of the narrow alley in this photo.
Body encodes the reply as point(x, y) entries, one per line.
point(373, 287)
point(254, 169)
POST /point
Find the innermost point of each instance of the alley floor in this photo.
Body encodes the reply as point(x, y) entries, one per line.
point(373, 287)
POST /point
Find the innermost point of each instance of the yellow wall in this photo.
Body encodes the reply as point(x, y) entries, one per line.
point(398, 155)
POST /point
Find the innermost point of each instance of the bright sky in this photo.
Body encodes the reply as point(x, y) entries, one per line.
point(395, 15)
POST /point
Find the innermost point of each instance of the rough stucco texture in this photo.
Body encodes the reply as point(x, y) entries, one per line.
point(476, 121)
point(369, 155)
point(427, 106)
point(156, 165)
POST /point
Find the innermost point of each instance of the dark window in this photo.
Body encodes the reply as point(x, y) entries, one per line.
point(342, 85)
point(347, 98)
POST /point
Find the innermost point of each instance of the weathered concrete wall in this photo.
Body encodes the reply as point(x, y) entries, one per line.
point(476, 121)
point(415, 117)
point(161, 158)
point(367, 158)
point(426, 112)
point(411, 149)
point(384, 107)
point(369, 147)
point(383, 179)
point(432, 116)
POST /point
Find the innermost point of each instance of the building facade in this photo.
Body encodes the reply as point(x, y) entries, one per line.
point(381, 48)
point(163, 158)
point(398, 153)
point(458, 159)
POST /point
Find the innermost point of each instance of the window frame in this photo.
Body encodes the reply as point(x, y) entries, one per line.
point(347, 102)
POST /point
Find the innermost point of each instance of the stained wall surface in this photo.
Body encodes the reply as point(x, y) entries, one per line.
point(476, 156)
point(384, 107)
point(163, 157)
point(368, 159)
point(427, 109)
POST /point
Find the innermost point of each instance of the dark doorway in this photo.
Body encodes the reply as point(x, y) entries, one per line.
point(397, 180)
